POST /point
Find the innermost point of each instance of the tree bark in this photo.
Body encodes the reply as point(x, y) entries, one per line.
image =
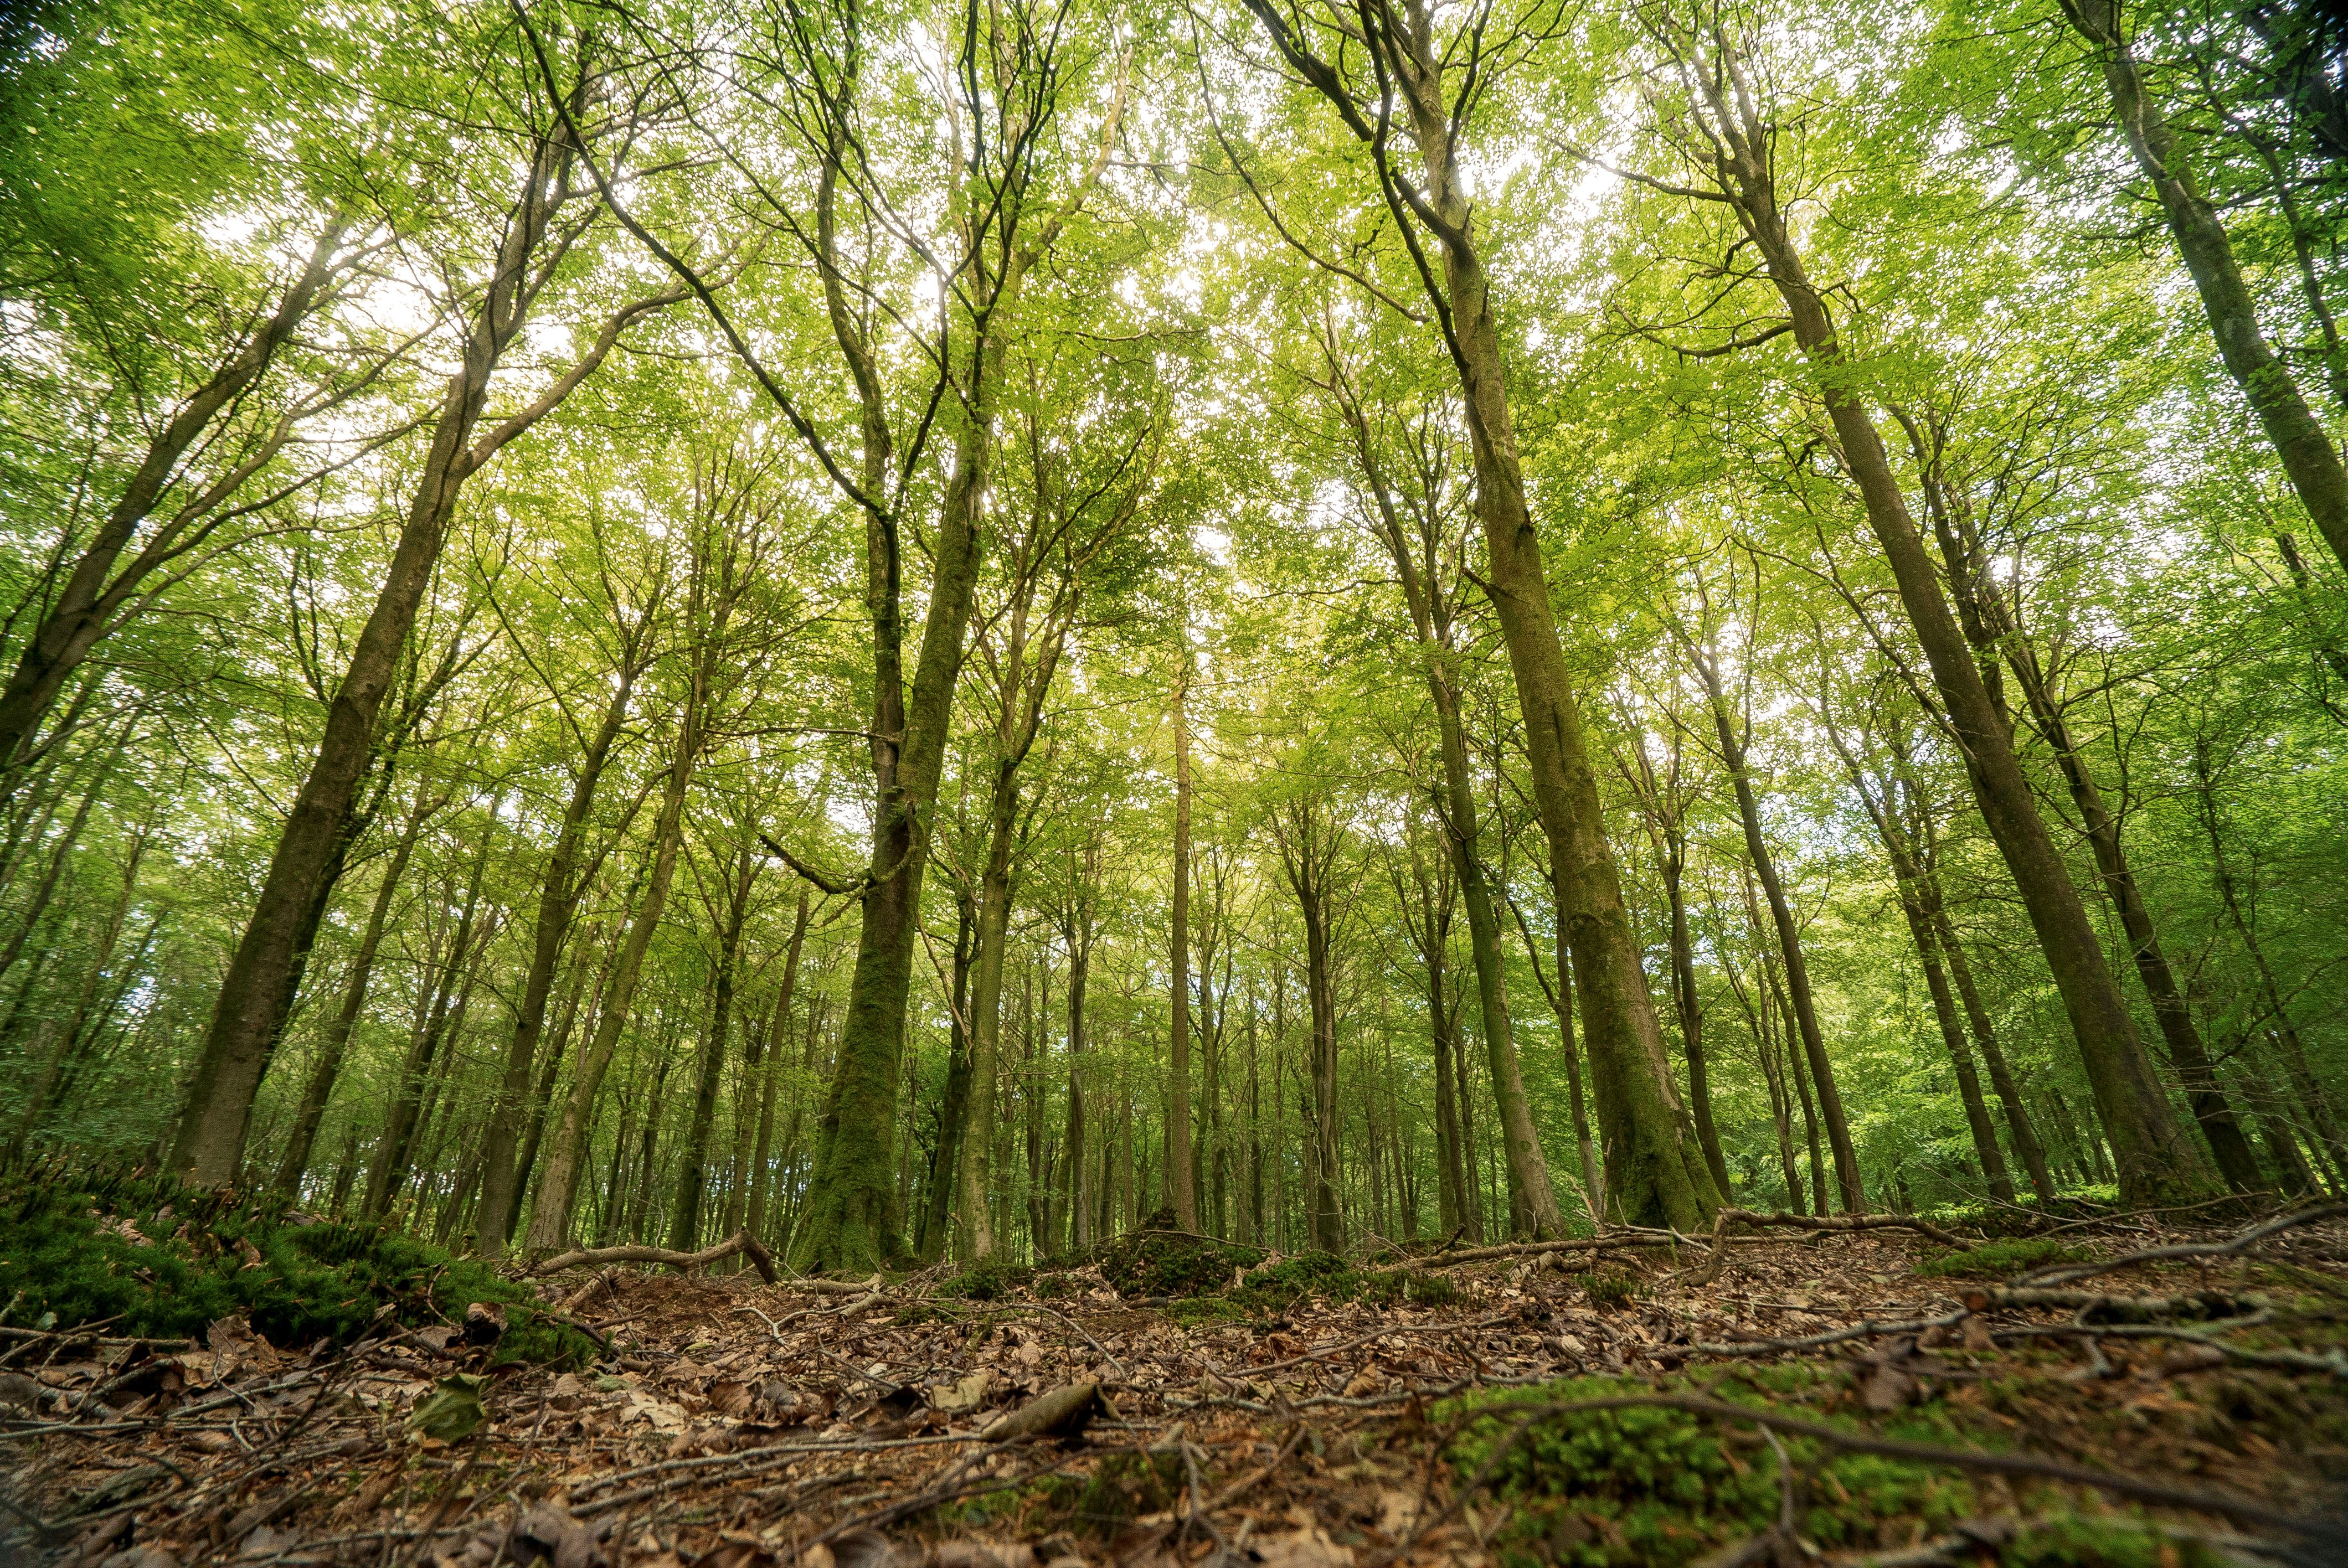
point(692, 1170)
point(2310, 459)
point(327, 1069)
point(2156, 1167)
point(250, 1014)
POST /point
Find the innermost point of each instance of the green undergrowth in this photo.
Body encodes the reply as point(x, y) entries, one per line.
point(1208, 1279)
point(989, 1280)
point(1653, 1487)
point(150, 1255)
point(1999, 1258)
point(1610, 1289)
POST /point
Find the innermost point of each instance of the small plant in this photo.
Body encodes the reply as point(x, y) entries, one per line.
point(1998, 1258)
point(1610, 1289)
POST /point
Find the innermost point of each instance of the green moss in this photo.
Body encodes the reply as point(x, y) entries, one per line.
point(1998, 1258)
point(989, 1280)
point(1646, 1487)
point(69, 1247)
point(1192, 1309)
point(2105, 1542)
point(1168, 1263)
point(1610, 1289)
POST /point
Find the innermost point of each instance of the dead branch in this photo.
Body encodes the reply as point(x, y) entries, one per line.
point(741, 1242)
point(2241, 1240)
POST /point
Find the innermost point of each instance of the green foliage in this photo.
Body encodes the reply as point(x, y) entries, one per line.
point(1646, 1487)
point(1610, 1289)
point(150, 1256)
point(2071, 1541)
point(1998, 1258)
point(1168, 1263)
point(989, 1280)
point(1277, 1286)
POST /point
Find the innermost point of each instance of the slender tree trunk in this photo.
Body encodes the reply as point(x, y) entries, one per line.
point(558, 905)
point(250, 1014)
point(59, 1061)
point(2309, 458)
point(1690, 1011)
point(756, 1177)
point(1178, 1177)
point(1789, 942)
point(2156, 1167)
point(953, 1109)
point(406, 1114)
point(558, 1191)
point(327, 1069)
point(693, 1169)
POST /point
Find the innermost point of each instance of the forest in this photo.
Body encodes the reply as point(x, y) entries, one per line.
point(940, 634)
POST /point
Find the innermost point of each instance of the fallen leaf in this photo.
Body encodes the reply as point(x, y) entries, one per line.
point(451, 1412)
point(964, 1394)
point(984, 1554)
point(1887, 1388)
point(1308, 1548)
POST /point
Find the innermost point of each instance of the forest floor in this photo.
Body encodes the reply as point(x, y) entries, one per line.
point(1781, 1397)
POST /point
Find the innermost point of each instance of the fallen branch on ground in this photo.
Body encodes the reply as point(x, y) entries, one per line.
point(741, 1242)
point(2240, 1242)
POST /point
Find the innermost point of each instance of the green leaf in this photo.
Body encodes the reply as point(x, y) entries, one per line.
point(452, 1412)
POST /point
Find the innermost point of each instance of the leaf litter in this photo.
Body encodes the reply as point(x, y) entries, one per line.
point(1639, 1399)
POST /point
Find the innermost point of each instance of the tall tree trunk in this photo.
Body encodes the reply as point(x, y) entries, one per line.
point(933, 1229)
point(2156, 1167)
point(406, 1114)
point(1990, 624)
point(2294, 1053)
point(558, 896)
point(558, 1190)
point(328, 1068)
point(1908, 877)
point(2309, 458)
point(1431, 610)
point(58, 1061)
point(693, 1169)
point(757, 1181)
point(1651, 1175)
point(256, 992)
point(1179, 1183)
point(1690, 1011)
point(1790, 938)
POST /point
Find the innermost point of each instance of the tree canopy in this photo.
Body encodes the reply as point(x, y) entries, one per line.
point(933, 630)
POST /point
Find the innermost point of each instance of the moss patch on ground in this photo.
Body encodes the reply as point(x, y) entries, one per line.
point(150, 1255)
point(1999, 1258)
